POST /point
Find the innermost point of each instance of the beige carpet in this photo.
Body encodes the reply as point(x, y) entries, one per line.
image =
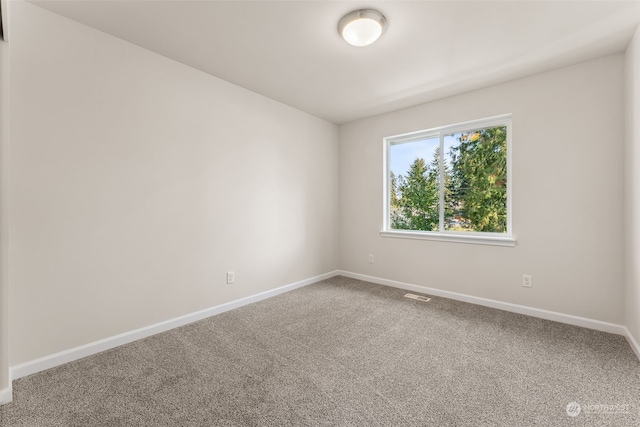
point(346, 353)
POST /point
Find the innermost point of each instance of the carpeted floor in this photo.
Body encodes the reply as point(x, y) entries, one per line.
point(346, 353)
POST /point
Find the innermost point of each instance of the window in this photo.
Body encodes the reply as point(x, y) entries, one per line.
point(450, 183)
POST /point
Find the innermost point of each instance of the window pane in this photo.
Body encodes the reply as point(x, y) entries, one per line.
point(414, 192)
point(475, 168)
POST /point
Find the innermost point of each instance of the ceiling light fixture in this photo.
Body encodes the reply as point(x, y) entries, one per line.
point(362, 27)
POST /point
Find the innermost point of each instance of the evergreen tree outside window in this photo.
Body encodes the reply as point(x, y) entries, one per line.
point(452, 182)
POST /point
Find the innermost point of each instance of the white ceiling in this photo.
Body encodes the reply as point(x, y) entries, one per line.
point(291, 51)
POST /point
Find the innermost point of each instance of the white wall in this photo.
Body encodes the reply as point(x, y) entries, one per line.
point(568, 132)
point(632, 190)
point(137, 183)
point(4, 141)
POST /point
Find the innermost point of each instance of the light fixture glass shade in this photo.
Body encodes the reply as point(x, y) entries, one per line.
point(362, 27)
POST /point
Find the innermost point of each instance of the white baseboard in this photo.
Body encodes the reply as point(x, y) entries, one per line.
point(632, 342)
point(514, 308)
point(6, 395)
point(72, 354)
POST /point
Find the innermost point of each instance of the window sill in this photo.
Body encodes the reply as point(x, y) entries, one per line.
point(450, 237)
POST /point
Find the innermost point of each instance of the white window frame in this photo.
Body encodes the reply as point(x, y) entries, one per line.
point(483, 238)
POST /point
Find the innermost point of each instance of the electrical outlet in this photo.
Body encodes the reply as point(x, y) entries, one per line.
point(231, 277)
point(370, 259)
point(527, 282)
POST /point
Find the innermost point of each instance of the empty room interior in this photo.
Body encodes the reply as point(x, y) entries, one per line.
point(319, 213)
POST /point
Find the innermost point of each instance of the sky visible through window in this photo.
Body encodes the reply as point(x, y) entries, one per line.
point(402, 155)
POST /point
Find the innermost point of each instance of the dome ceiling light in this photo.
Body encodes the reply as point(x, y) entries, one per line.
point(362, 27)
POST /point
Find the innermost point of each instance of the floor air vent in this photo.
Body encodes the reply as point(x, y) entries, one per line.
point(418, 297)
